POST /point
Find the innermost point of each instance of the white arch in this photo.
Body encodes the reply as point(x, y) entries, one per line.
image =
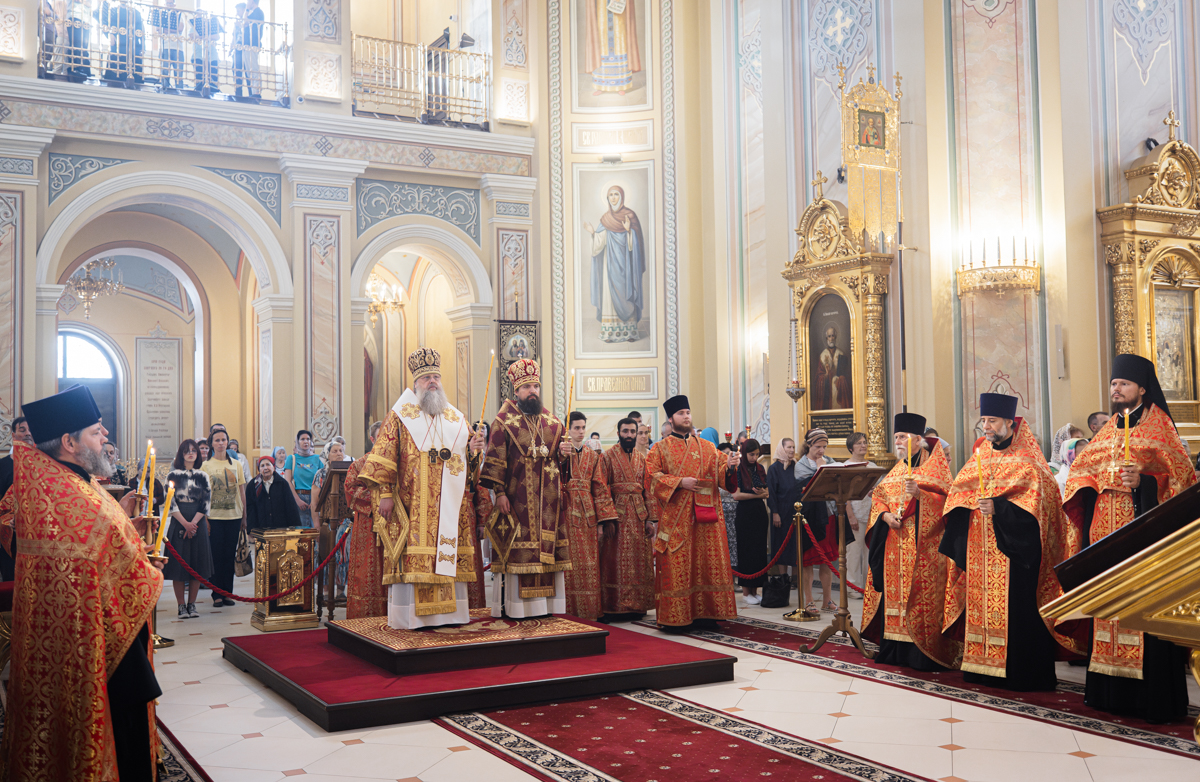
point(442, 246)
point(120, 363)
point(197, 310)
point(260, 245)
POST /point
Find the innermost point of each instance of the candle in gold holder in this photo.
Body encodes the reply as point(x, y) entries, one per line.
point(728, 436)
point(141, 487)
point(979, 467)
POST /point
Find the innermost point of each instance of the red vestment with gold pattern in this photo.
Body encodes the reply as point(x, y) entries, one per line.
point(588, 504)
point(915, 574)
point(84, 590)
point(400, 468)
point(366, 594)
point(693, 579)
point(626, 565)
point(1019, 476)
point(1095, 475)
point(523, 464)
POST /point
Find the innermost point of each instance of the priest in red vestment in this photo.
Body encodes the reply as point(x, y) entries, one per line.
point(588, 504)
point(1131, 672)
point(626, 566)
point(526, 453)
point(904, 603)
point(366, 594)
point(82, 689)
point(693, 582)
point(1006, 528)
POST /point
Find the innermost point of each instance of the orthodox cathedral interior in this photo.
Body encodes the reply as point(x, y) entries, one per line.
point(802, 215)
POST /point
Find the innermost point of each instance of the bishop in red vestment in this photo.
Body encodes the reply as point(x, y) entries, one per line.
point(626, 567)
point(693, 581)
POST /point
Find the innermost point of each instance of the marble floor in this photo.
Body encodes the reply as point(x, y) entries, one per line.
point(240, 731)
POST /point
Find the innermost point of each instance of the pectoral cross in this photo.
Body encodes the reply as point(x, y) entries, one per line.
point(1171, 124)
point(820, 180)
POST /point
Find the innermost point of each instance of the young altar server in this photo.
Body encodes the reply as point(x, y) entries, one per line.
point(693, 582)
point(1005, 527)
point(1110, 484)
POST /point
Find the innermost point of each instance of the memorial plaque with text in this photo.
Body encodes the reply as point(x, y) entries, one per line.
point(159, 403)
point(598, 384)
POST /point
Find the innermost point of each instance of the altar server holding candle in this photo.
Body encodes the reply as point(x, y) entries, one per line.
point(1007, 536)
point(79, 690)
point(1135, 462)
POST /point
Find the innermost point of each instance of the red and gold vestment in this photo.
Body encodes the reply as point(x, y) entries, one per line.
point(1020, 475)
point(916, 575)
point(414, 538)
point(588, 504)
point(523, 464)
point(84, 590)
point(626, 566)
point(366, 594)
point(693, 579)
point(1155, 446)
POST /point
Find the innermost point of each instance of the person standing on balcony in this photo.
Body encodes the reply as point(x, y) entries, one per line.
point(253, 41)
point(79, 25)
point(208, 31)
point(169, 23)
point(239, 47)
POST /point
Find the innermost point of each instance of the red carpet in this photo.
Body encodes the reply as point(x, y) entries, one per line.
point(653, 737)
point(1064, 706)
point(338, 690)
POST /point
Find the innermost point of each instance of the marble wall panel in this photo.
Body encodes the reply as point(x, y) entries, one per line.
point(513, 260)
point(322, 236)
point(11, 220)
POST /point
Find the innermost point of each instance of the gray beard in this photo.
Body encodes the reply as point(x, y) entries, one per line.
point(96, 463)
point(433, 402)
point(530, 406)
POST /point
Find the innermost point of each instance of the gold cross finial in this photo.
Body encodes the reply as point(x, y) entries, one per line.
point(871, 72)
point(841, 69)
point(820, 180)
point(1171, 124)
point(898, 92)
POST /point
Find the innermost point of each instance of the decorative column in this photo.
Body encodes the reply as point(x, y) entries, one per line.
point(355, 427)
point(512, 218)
point(1120, 258)
point(874, 287)
point(474, 339)
point(321, 205)
point(275, 403)
point(45, 344)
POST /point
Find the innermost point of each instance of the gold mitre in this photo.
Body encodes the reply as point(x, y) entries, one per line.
point(523, 372)
point(424, 361)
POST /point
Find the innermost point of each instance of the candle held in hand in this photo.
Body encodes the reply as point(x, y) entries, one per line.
point(166, 516)
point(488, 388)
point(1127, 459)
point(141, 487)
point(908, 456)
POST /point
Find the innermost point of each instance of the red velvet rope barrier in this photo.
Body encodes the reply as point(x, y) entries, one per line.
point(341, 542)
point(825, 561)
point(778, 554)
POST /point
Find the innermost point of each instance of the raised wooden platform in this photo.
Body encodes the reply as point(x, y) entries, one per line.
point(340, 691)
point(484, 641)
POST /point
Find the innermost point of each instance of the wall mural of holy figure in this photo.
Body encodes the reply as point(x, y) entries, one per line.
point(618, 252)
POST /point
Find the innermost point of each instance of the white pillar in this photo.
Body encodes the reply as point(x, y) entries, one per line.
point(45, 372)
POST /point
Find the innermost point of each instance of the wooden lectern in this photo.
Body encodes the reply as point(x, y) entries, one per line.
point(331, 509)
point(841, 484)
point(1144, 574)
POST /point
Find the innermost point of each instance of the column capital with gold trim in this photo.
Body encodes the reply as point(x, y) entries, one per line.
point(511, 197)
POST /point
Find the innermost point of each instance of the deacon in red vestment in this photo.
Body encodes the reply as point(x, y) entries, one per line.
point(1007, 536)
point(588, 505)
point(626, 567)
point(905, 600)
point(82, 689)
point(526, 453)
point(366, 594)
point(693, 582)
point(1131, 672)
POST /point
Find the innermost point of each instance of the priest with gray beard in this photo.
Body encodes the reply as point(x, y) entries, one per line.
point(422, 514)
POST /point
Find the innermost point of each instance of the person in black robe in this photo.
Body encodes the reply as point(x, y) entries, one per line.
point(783, 494)
point(1161, 695)
point(269, 500)
point(751, 521)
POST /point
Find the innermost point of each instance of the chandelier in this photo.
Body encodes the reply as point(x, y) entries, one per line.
point(1014, 273)
point(384, 298)
point(88, 288)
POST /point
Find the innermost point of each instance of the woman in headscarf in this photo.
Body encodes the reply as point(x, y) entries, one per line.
point(334, 451)
point(1065, 432)
point(280, 454)
point(710, 434)
point(821, 519)
point(1067, 453)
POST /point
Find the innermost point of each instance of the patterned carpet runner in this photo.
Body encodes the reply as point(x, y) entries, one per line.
point(1064, 706)
point(648, 736)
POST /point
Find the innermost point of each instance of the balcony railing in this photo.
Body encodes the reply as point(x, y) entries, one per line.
point(420, 83)
point(163, 48)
